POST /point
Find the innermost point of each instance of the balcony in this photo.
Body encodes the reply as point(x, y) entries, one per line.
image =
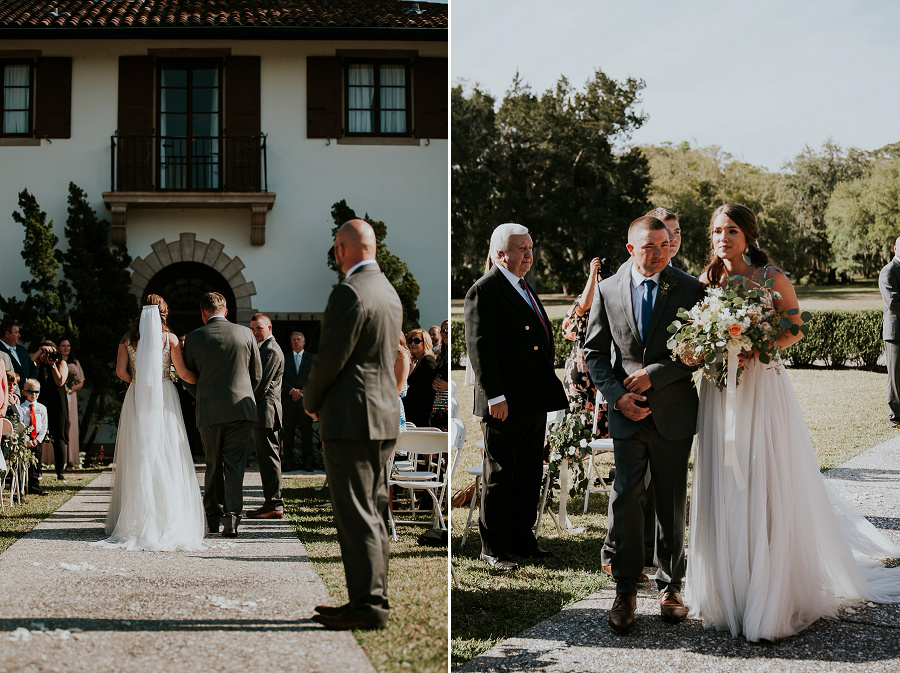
point(225, 171)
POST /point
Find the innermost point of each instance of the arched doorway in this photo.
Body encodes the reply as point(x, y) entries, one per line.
point(181, 284)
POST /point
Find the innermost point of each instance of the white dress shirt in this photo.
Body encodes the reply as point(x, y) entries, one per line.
point(637, 292)
point(357, 265)
point(40, 415)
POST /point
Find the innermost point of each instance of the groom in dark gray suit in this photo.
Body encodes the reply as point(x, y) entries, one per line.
point(226, 360)
point(889, 284)
point(652, 412)
point(352, 391)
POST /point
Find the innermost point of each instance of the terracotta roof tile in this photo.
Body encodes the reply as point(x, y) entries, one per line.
point(233, 13)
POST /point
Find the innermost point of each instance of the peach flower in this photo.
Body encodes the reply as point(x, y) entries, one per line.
point(735, 331)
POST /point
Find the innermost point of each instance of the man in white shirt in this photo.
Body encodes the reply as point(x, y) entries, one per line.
point(296, 371)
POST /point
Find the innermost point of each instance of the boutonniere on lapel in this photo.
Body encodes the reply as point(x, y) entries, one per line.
point(667, 284)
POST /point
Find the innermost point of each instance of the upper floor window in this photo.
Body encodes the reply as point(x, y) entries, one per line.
point(378, 98)
point(16, 100)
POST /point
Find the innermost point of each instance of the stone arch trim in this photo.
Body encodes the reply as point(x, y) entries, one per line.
point(188, 249)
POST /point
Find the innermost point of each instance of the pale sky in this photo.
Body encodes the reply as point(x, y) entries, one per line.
point(760, 78)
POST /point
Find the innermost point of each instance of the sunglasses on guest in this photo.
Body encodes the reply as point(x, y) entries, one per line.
point(416, 341)
point(31, 392)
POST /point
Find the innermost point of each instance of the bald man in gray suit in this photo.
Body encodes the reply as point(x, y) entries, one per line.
point(352, 392)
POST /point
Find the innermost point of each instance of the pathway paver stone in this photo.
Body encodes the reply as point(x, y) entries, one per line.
point(239, 605)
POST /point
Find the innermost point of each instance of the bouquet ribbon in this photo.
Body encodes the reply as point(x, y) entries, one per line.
point(731, 458)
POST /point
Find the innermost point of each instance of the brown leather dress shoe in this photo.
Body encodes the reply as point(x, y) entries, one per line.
point(607, 570)
point(263, 513)
point(672, 607)
point(330, 611)
point(621, 616)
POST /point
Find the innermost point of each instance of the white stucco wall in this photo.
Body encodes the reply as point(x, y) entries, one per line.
point(406, 187)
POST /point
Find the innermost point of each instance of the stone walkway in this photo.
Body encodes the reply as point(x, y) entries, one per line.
point(866, 638)
point(242, 605)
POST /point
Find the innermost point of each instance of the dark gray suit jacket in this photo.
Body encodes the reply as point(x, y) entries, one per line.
point(889, 284)
point(25, 368)
point(352, 385)
point(226, 359)
point(268, 404)
point(613, 350)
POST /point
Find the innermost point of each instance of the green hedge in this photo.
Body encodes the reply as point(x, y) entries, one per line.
point(838, 337)
point(834, 337)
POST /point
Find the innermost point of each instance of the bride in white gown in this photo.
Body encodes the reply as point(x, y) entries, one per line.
point(772, 548)
point(156, 503)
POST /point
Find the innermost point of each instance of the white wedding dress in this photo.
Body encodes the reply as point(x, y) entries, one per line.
point(772, 547)
point(156, 503)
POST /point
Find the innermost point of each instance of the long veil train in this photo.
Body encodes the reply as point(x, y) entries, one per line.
point(156, 503)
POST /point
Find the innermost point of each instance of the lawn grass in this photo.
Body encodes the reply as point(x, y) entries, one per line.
point(845, 411)
point(17, 520)
point(416, 636)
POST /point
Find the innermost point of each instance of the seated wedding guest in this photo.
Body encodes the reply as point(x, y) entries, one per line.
point(420, 396)
point(74, 383)
point(34, 416)
point(13, 395)
point(437, 343)
point(4, 390)
point(52, 373)
point(439, 417)
point(401, 373)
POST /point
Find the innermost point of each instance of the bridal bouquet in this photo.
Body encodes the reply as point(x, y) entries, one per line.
point(738, 318)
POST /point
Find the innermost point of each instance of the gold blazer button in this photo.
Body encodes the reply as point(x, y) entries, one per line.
point(527, 327)
point(535, 348)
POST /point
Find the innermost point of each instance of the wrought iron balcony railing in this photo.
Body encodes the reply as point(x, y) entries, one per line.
point(154, 163)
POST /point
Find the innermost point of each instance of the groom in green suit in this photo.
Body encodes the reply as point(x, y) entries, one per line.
point(352, 392)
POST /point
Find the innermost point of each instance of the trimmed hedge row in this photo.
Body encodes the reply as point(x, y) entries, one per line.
point(834, 337)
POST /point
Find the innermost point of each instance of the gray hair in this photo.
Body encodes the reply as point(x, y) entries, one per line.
point(300, 334)
point(501, 235)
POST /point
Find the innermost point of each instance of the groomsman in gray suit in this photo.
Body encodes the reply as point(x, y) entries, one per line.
point(652, 412)
point(268, 421)
point(889, 284)
point(352, 392)
point(229, 371)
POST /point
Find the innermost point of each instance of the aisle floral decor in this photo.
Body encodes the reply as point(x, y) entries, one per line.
point(568, 441)
point(18, 457)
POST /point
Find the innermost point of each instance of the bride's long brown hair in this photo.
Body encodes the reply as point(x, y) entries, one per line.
point(134, 334)
point(745, 220)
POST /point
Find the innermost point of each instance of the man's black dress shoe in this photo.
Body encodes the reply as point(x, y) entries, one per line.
point(499, 564)
point(229, 532)
point(35, 491)
point(331, 611)
point(345, 622)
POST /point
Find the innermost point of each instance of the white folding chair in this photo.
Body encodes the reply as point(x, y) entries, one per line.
point(426, 445)
point(453, 388)
point(598, 447)
point(454, 407)
point(6, 428)
point(476, 471)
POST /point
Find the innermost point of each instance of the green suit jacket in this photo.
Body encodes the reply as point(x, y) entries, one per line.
point(351, 385)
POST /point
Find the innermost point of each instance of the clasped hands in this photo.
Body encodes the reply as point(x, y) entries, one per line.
point(631, 403)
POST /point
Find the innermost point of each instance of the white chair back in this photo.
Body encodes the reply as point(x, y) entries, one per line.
point(453, 388)
point(454, 407)
point(457, 439)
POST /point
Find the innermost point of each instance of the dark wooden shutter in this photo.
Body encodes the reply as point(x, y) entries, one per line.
point(324, 118)
point(242, 124)
point(134, 151)
point(430, 92)
point(53, 98)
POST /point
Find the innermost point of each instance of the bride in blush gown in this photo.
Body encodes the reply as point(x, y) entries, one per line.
point(156, 503)
point(772, 548)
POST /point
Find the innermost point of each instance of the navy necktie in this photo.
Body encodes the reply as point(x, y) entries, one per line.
point(646, 308)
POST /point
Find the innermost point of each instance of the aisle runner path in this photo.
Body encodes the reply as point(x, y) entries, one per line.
point(241, 605)
point(865, 639)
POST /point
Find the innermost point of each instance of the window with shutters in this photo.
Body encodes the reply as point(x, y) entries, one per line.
point(189, 151)
point(378, 98)
point(16, 103)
